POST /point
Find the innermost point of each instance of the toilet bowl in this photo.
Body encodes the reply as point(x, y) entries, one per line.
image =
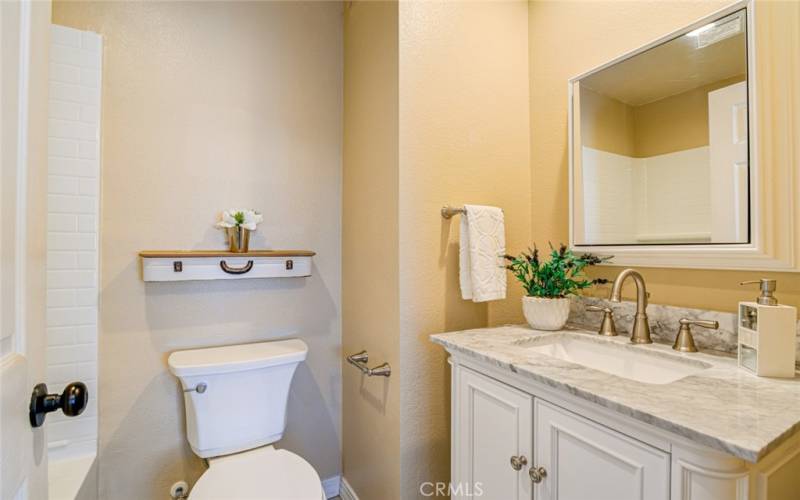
point(263, 473)
point(235, 398)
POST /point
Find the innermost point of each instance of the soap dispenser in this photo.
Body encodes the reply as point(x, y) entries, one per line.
point(767, 334)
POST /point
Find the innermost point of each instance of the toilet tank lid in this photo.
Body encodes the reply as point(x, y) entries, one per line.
point(234, 358)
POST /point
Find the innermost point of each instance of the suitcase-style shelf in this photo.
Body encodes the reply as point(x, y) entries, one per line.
point(188, 265)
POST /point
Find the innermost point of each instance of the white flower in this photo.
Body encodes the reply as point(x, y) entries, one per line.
point(227, 219)
point(245, 218)
point(251, 219)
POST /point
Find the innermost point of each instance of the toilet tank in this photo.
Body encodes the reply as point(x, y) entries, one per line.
point(236, 395)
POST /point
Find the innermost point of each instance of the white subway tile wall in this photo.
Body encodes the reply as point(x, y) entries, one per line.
point(72, 231)
point(676, 183)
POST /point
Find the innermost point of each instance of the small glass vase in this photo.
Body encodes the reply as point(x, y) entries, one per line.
point(238, 239)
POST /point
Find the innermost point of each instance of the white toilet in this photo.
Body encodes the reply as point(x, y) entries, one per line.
point(235, 400)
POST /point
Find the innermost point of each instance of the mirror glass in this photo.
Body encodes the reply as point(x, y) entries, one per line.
point(660, 143)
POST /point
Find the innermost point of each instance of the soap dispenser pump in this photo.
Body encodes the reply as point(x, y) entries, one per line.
point(767, 333)
point(767, 287)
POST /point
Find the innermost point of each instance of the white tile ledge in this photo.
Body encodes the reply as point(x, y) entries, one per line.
point(67, 475)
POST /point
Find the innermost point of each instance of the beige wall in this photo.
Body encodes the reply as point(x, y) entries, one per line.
point(208, 106)
point(370, 267)
point(434, 115)
point(598, 32)
point(675, 123)
point(463, 139)
point(606, 123)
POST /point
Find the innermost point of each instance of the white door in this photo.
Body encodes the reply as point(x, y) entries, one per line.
point(494, 423)
point(727, 140)
point(580, 460)
point(23, 99)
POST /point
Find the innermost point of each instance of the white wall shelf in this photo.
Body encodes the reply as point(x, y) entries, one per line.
point(190, 265)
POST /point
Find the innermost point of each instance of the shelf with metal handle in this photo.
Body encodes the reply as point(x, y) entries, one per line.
point(360, 360)
point(191, 265)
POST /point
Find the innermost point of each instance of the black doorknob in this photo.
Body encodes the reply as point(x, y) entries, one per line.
point(72, 402)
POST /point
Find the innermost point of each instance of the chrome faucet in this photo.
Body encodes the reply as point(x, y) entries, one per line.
point(640, 333)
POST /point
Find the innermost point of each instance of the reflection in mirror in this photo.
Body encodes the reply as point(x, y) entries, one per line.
point(661, 143)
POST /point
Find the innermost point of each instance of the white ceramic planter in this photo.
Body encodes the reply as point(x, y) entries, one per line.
point(545, 314)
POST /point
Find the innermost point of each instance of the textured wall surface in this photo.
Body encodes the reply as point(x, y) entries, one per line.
point(434, 115)
point(463, 139)
point(72, 221)
point(370, 267)
point(569, 38)
point(208, 106)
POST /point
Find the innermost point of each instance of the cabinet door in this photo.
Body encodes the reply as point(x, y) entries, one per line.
point(493, 423)
point(585, 460)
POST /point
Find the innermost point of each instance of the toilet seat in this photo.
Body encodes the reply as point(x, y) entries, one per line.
point(261, 474)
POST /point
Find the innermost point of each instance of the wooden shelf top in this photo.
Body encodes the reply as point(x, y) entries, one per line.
point(186, 254)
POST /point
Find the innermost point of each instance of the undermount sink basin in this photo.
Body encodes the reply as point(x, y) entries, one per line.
point(624, 360)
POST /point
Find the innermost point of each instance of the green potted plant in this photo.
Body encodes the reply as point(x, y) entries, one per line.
point(548, 284)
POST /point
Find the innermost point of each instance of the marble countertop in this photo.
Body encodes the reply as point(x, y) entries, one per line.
point(722, 407)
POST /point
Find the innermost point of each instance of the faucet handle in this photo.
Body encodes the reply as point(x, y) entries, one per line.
point(705, 323)
point(684, 342)
point(607, 327)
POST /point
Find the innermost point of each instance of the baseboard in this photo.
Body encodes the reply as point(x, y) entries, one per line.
point(331, 486)
point(346, 491)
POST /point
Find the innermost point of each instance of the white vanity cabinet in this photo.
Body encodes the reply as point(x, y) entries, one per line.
point(499, 429)
point(570, 449)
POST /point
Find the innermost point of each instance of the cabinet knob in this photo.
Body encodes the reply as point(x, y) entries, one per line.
point(537, 474)
point(518, 462)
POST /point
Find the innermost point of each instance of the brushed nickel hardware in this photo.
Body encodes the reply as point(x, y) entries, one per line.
point(518, 462)
point(607, 327)
point(767, 287)
point(236, 270)
point(289, 265)
point(199, 388)
point(684, 342)
point(360, 360)
point(448, 212)
point(640, 333)
point(537, 474)
point(177, 266)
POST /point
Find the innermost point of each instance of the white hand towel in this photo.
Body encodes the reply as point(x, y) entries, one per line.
point(482, 245)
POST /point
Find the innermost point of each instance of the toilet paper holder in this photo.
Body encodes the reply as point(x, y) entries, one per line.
point(360, 360)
